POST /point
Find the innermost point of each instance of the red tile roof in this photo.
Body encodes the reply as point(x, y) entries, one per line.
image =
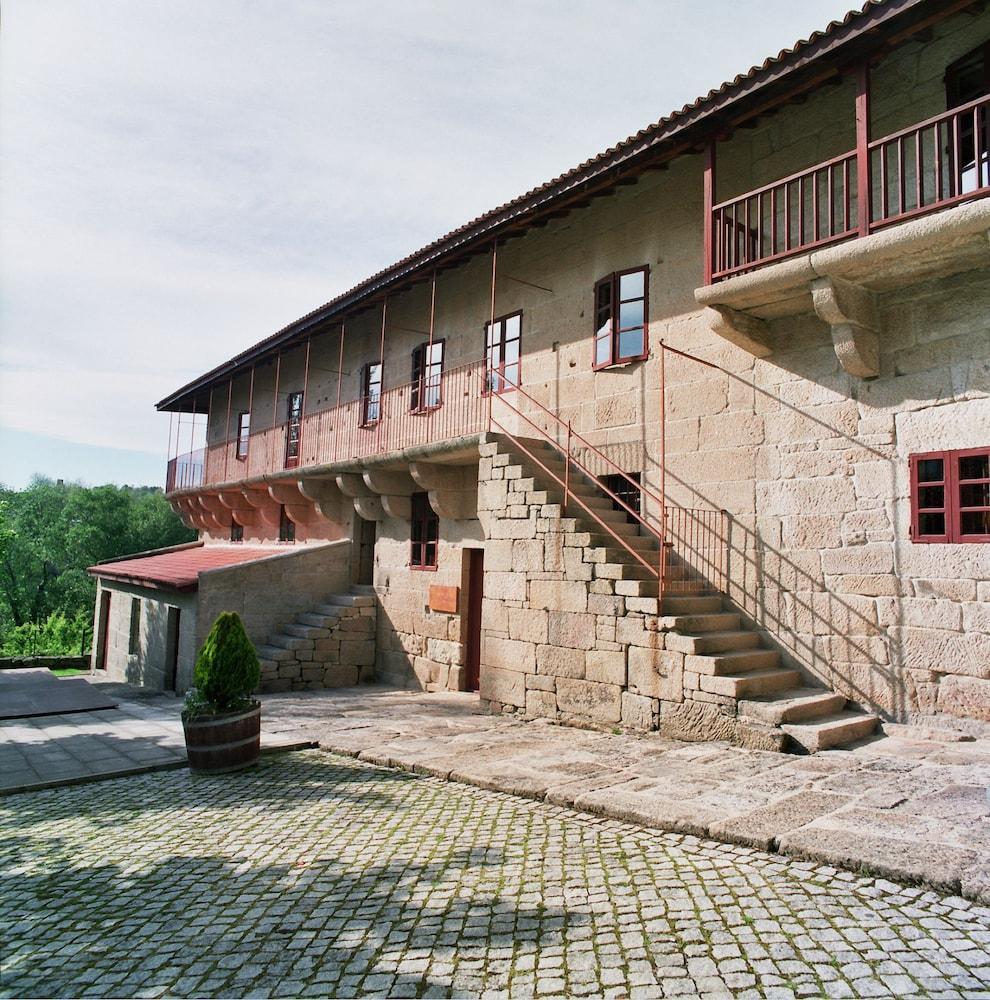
point(180, 568)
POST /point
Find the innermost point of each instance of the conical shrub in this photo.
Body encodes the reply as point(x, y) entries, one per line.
point(227, 668)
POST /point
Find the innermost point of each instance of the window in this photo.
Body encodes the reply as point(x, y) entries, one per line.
point(626, 491)
point(371, 393)
point(503, 348)
point(236, 531)
point(134, 638)
point(286, 526)
point(966, 80)
point(293, 428)
point(427, 371)
point(243, 434)
point(621, 318)
point(950, 496)
point(425, 532)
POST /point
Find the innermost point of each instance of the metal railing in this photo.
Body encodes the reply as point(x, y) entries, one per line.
point(691, 543)
point(185, 472)
point(928, 166)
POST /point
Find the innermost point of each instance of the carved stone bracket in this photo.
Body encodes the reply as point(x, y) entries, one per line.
point(747, 332)
point(370, 508)
point(851, 313)
point(298, 508)
point(453, 489)
point(326, 498)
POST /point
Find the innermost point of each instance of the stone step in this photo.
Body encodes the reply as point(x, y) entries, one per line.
point(637, 588)
point(793, 706)
point(327, 610)
point(831, 730)
point(304, 631)
point(757, 683)
point(363, 589)
point(692, 605)
point(631, 570)
point(274, 653)
point(283, 641)
point(713, 642)
point(319, 619)
point(723, 621)
point(350, 600)
point(641, 543)
point(740, 661)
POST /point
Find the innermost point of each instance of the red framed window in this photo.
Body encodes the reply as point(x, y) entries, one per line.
point(425, 533)
point(950, 496)
point(503, 350)
point(243, 435)
point(426, 391)
point(371, 393)
point(622, 318)
point(293, 428)
point(286, 526)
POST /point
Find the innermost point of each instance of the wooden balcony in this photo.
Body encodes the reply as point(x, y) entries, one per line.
point(452, 406)
point(928, 167)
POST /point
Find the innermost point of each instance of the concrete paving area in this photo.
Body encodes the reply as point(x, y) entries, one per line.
point(906, 806)
point(143, 733)
point(319, 875)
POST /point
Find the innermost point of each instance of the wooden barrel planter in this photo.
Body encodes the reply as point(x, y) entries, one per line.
point(216, 743)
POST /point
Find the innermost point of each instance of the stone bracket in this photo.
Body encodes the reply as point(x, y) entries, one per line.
point(747, 332)
point(851, 313)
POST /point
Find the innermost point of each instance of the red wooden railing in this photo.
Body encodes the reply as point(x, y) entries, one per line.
point(926, 167)
point(336, 434)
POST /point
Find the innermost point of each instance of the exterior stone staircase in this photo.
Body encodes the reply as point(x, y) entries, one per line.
point(729, 671)
point(332, 645)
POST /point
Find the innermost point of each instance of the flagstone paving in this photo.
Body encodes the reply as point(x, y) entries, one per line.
point(319, 875)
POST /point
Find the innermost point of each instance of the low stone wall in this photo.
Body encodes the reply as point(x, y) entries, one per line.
point(27, 662)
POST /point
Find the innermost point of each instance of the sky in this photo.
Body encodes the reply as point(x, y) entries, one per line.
point(181, 178)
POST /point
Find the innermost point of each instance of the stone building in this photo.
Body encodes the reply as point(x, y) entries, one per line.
point(695, 436)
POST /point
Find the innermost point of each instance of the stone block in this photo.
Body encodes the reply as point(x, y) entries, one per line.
point(539, 682)
point(607, 604)
point(874, 558)
point(656, 673)
point(505, 586)
point(508, 654)
point(444, 651)
point(527, 624)
point(639, 712)
point(357, 652)
point(967, 697)
point(696, 721)
point(600, 703)
point(559, 662)
point(541, 704)
point(558, 595)
point(527, 555)
point(338, 675)
point(571, 630)
point(498, 555)
point(606, 667)
point(507, 687)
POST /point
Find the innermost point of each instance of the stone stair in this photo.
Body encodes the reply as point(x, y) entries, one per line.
point(726, 666)
point(331, 645)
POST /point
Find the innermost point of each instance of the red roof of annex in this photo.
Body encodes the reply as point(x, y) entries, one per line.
point(179, 569)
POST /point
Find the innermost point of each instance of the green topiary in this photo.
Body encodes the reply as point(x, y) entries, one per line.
point(227, 668)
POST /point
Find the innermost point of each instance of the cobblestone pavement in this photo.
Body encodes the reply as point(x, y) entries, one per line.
point(319, 875)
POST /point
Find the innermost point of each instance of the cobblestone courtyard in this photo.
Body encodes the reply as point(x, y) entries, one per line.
point(317, 875)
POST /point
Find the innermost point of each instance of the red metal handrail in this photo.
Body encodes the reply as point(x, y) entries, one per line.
point(928, 166)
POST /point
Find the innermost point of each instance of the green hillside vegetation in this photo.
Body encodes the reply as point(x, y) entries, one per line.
point(49, 533)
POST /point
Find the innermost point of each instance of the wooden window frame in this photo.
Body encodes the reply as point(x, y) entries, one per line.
point(420, 377)
point(952, 71)
point(952, 508)
point(499, 370)
point(422, 517)
point(286, 527)
point(243, 445)
point(614, 333)
point(292, 460)
point(367, 421)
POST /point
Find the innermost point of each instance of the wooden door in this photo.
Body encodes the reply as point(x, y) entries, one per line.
point(472, 623)
point(103, 633)
point(366, 552)
point(172, 648)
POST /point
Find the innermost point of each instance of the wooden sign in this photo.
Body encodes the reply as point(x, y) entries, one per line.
point(444, 599)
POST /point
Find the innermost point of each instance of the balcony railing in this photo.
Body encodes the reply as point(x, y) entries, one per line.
point(337, 434)
point(929, 166)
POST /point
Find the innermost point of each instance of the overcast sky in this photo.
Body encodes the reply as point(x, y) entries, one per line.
point(179, 179)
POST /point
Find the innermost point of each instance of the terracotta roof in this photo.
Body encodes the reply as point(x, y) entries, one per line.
point(180, 568)
point(648, 142)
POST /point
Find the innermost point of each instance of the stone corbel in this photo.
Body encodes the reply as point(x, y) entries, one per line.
point(298, 508)
point(184, 516)
point(453, 489)
point(747, 332)
point(456, 505)
point(353, 485)
point(325, 496)
point(390, 483)
point(202, 510)
point(851, 313)
point(370, 508)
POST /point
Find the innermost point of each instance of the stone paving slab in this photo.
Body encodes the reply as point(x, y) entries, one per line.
point(906, 805)
point(320, 875)
point(143, 733)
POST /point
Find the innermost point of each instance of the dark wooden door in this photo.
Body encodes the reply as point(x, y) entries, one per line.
point(476, 590)
point(366, 552)
point(103, 635)
point(171, 648)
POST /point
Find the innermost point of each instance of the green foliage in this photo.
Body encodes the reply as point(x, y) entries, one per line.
point(50, 532)
point(57, 635)
point(227, 668)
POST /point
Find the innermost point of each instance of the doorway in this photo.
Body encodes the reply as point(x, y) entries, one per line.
point(474, 572)
point(171, 649)
point(367, 536)
point(103, 631)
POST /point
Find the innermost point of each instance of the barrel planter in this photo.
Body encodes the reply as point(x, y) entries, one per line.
point(217, 743)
